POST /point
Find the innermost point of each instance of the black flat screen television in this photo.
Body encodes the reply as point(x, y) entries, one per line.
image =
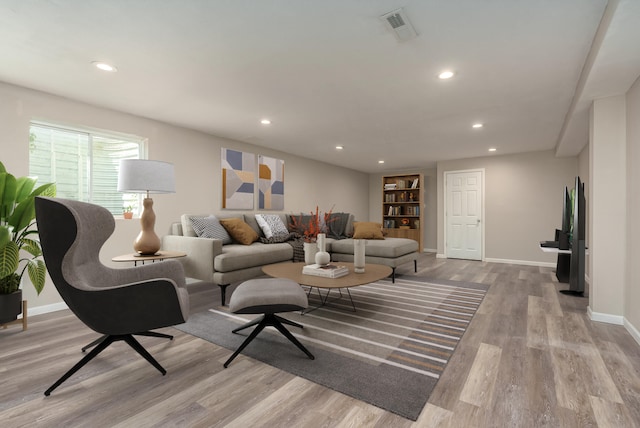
point(578, 236)
point(564, 234)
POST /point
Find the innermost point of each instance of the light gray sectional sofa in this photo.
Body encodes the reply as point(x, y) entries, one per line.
point(209, 260)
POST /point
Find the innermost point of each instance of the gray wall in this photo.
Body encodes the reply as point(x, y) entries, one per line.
point(523, 202)
point(632, 279)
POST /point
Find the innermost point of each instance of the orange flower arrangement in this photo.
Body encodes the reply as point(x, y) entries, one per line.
point(310, 229)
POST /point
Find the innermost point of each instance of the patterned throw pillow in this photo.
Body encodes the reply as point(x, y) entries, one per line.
point(272, 225)
point(210, 227)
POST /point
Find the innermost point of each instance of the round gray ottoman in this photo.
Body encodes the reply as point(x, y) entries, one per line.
point(268, 296)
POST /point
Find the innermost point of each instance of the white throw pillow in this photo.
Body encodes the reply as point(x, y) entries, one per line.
point(210, 227)
point(271, 225)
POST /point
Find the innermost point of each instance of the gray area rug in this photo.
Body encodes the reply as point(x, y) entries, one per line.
point(390, 352)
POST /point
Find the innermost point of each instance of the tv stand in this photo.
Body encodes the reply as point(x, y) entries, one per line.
point(573, 293)
point(563, 269)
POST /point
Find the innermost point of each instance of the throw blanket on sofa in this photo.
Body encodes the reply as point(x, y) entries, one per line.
point(337, 224)
point(294, 239)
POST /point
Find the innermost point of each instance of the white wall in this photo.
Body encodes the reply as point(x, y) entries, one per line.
point(523, 202)
point(196, 157)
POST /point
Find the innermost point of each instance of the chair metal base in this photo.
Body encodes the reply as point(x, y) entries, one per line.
point(144, 333)
point(265, 321)
point(101, 345)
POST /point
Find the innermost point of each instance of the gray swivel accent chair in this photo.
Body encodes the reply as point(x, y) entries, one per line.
point(116, 303)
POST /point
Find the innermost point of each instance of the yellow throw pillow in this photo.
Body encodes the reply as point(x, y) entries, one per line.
point(239, 230)
point(367, 230)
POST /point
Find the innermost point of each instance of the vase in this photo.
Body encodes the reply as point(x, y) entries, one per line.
point(323, 258)
point(358, 255)
point(310, 250)
point(147, 243)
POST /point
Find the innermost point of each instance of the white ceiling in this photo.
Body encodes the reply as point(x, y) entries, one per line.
point(329, 72)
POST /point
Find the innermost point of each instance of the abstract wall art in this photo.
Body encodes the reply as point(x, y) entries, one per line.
point(238, 179)
point(270, 183)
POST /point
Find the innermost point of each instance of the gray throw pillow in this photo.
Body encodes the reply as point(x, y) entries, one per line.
point(210, 227)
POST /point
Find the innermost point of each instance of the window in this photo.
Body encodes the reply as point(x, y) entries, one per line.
point(83, 164)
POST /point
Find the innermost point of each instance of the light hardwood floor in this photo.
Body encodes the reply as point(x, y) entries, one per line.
point(530, 358)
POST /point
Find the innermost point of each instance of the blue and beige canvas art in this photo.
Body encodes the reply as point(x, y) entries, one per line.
point(270, 183)
point(238, 179)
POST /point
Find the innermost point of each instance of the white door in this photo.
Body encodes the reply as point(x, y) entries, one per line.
point(463, 216)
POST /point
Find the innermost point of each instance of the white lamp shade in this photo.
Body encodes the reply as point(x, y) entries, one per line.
point(146, 176)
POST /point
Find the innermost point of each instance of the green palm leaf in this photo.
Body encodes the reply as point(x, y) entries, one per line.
point(8, 187)
point(5, 235)
point(24, 187)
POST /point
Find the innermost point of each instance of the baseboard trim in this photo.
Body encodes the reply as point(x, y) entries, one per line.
point(508, 261)
point(429, 250)
point(520, 262)
point(606, 318)
point(45, 309)
point(632, 330)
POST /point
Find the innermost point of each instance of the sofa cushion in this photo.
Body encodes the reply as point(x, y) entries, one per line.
point(187, 229)
point(250, 219)
point(367, 230)
point(239, 230)
point(235, 257)
point(388, 247)
point(272, 225)
point(210, 227)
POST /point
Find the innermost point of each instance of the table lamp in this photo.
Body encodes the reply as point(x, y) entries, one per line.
point(146, 176)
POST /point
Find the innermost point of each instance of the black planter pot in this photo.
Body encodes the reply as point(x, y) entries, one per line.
point(10, 306)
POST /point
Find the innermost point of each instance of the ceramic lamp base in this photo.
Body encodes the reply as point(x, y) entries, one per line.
point(147, 243)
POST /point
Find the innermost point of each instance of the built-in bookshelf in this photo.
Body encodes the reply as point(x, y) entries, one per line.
point(403, 207)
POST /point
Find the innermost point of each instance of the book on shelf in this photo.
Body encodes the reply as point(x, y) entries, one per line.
point(389, 186)
point(414, 185)
point(326, 271)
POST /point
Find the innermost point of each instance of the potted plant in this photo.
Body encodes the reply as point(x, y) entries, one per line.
point(18, 238)
point(128, 212)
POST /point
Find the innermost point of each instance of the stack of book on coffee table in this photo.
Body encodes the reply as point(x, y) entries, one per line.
point(327, 271)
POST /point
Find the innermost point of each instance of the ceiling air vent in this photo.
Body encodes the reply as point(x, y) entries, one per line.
point(399, 25)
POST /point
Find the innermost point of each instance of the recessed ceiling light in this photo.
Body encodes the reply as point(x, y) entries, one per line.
point(380, 161)
point(265, 122)
point(477, 125)
point(339, 147)
point(104, 66)
point(492, 149)
point(446, 74)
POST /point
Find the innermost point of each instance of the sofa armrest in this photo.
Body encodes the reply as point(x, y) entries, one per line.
point(198, 263)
